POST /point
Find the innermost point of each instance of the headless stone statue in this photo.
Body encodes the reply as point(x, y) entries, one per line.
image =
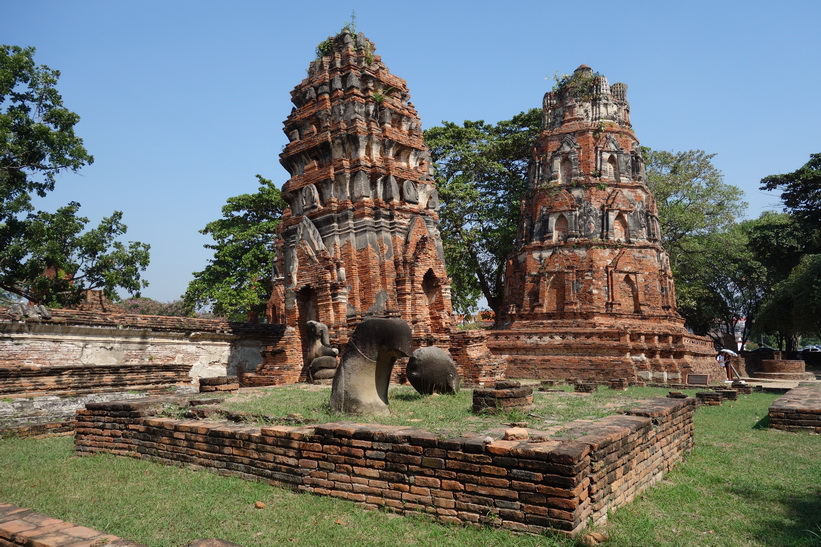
point(361, 382)
point(431, 370)
point(321, 357)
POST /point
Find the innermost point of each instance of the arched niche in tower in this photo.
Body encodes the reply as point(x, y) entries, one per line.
point(629, 294)
point(637, 163)
point(560, 229)
point(564, 163)
point(621, 229)
point(611, 168)
point(566, 171)
point(555, 292)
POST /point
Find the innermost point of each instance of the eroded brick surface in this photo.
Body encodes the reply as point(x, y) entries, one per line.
point(360, 236)
point(19, 526)
point(590, 291)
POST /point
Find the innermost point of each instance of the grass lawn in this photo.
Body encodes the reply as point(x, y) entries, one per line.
point(742, 485)
point(446, 415)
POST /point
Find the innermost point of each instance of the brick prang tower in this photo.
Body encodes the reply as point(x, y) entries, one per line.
point(360, 237)
point(590, 294)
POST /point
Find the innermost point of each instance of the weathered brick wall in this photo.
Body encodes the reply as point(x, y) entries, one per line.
point(798, 410)
point(50, 414)
point(611, 349)
point(560, 483)
point(82, 350)
point(476, 365)
point(589, 291)
point(34, 380)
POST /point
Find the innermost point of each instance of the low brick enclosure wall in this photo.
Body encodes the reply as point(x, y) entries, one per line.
point(798, 410)
point(561, 483)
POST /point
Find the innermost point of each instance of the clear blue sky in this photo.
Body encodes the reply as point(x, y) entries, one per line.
point(182, 102)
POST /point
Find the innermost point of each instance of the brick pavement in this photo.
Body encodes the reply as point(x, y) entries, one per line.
point(19, 526)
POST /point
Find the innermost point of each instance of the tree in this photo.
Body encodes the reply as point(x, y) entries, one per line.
point(790, 245)
point(718, 282)
point(801, 191)
point(236, 283)
point(691, 196)
point(481, 175)
point(794, 307)
point(53, 261)
point(46, 257)
point(721, 285)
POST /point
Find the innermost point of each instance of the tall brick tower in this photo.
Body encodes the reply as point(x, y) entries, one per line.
point(589, 292)
point(360, 237)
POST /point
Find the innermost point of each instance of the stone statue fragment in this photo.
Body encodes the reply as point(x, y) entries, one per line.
point(321, 357)
point(361, 382)
point(431, 370)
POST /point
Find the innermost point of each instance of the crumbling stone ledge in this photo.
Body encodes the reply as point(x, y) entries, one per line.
point(535, 485)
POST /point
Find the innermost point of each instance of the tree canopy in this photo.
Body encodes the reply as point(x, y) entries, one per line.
point(691, 195)
point(794, 307)
point(789, 245)
point(800, 190)
point(236, 283)
point(481, 175)
point(47, 257)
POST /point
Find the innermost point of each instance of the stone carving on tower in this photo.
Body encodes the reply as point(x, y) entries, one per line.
point(589, 293)
point(360, 237)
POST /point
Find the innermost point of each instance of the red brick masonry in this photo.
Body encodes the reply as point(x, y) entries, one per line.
point(20, 526)
point(559, 483)
point(798, 410)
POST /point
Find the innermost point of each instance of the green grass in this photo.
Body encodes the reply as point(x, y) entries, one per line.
point(171, 506)
point(446, 415)
point(743, 485)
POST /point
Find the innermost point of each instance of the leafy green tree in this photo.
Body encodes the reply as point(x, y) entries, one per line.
point(801, 191)
point(789, 245)
point(236, 283)
point(794, 307)
point(691, 196)
point(36, 130)
point(46, 257)
point(481, 175)
point(718, 282)
point(53, 261)
point(721, 285)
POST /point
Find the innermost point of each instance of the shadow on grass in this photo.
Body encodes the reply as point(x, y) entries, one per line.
point(799, 525)
point(763, 423)
point(407, 396)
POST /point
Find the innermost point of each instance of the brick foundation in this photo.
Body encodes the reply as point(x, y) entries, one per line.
point(502, 397)
point(526, 486)
point(798, 410)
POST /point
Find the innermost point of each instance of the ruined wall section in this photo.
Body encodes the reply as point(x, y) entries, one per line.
point(77, 351)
